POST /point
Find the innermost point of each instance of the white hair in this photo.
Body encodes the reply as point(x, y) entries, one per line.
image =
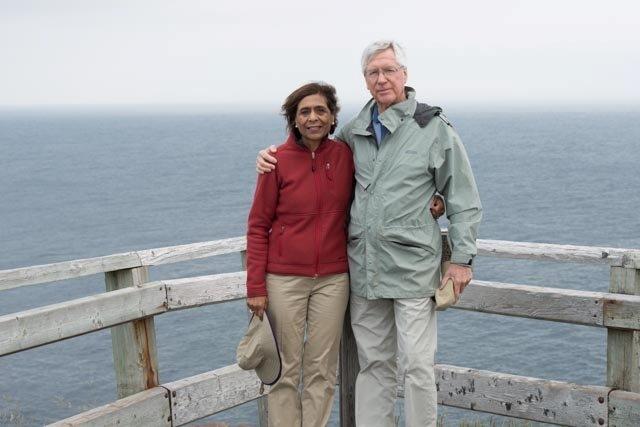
point(380, 46)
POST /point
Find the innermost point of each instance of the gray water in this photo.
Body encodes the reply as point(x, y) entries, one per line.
point(82, 184)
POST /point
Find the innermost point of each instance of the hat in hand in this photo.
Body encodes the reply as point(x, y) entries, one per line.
point(445, 296)
point(258, 350)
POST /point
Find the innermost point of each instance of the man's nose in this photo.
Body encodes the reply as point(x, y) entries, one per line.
point(381, 78)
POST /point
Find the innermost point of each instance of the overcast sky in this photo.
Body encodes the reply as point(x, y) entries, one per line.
point(252, 54)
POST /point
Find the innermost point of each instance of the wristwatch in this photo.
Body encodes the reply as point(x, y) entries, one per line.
point(466, 261)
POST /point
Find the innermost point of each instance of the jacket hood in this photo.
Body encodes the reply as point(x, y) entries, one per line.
point(393, 116)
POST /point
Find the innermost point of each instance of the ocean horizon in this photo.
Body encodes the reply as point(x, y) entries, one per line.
point(77, 182)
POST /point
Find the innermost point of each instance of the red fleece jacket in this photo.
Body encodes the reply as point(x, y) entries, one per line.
point(297, 223)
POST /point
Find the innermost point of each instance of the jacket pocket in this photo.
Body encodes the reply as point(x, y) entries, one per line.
point(409, 260)
point(355, 231)
point(420, 236)
point(280, 238)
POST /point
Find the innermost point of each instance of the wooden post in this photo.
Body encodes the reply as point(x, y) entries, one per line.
point(349, 366)
point(263, 406)
point(623, 346)
point(135, 356)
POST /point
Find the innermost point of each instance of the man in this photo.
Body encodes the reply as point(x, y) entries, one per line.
point(404, 152)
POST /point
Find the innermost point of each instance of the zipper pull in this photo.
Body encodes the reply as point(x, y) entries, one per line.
point(313, 161)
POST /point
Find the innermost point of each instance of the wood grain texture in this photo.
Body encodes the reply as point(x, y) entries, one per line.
point(66, 270)
point(148, 408)
point(349, 368)
point(536, 302)
point(602, 309)
point(202, 290)
point(551, 252)
point(503, 394)
point(622, 311)
point(624, 409)
point(191, 251)
point(135, 357)
point(84, 267)
point(32, 328)
point(623, 346)
point(22, 330)
point(522, 397)
point(209, 393)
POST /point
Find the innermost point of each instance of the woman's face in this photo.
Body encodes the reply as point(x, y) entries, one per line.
point(313, 118)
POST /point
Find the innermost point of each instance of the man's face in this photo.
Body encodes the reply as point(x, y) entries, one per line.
point(385, 79)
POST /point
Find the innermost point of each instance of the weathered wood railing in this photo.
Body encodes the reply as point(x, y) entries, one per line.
point(132, 302)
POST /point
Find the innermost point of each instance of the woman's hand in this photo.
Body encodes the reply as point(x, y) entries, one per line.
point(437, 206)
point(257, 305)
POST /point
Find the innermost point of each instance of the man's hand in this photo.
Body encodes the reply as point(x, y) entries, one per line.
point(257, 305)
point(437, 206)
point(265, 162)
point(461, 276)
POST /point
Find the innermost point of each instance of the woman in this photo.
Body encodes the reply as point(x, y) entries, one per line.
point(297, 258)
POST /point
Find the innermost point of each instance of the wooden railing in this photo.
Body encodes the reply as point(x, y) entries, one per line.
point(132, 302)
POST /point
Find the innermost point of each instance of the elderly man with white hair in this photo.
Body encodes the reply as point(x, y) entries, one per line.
point(404, 153)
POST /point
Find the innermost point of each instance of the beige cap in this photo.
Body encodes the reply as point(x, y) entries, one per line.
point(445, 296)
point(258, 350)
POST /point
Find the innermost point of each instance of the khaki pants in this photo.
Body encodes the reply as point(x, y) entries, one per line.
point(384, 328)
point(319, 304)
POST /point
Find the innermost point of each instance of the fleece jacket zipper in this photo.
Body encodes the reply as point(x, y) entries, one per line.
point(316, 180)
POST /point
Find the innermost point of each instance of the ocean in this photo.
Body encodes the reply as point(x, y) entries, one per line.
point(83, 183)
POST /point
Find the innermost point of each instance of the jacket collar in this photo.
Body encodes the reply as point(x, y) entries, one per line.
point(392, 116)
point(294, 142)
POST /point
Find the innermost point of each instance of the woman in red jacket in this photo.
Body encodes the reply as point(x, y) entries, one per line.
point(297, 255)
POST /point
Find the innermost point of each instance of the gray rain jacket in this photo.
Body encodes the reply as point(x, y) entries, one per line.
point(394, 243)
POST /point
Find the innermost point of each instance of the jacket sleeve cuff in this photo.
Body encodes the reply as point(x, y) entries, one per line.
point(461, 259)
point(257, 290)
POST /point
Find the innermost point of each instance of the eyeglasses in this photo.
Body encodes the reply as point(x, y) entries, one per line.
point(387, 72)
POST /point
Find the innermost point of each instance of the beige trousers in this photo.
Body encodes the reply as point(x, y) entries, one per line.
point(384, 329)
point(318, 304)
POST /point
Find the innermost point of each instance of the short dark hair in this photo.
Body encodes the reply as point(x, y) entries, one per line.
point(290, 106)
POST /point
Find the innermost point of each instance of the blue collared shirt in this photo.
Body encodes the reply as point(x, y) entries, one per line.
point(378, 127)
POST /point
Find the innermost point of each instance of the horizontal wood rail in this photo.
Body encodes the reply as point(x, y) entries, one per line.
point(602, 309)
point(176, 403)
point(534, 399)
point(36, 274)
point(33, 275)
point(551, 252)
point(147, 408)
point(32, 328)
